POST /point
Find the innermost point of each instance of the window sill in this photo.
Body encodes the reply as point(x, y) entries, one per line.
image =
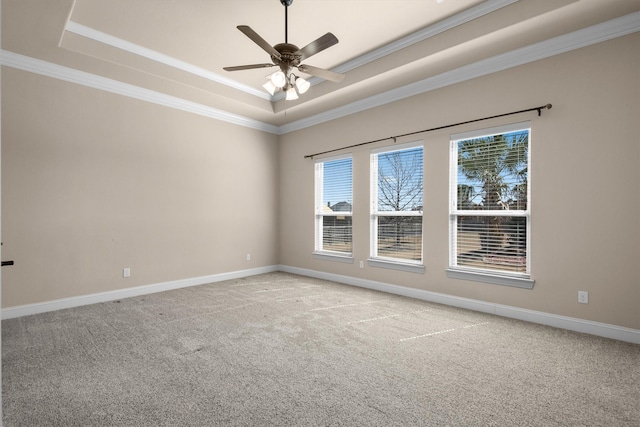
point(329, 256)
point(394, 265)
point(518, 282)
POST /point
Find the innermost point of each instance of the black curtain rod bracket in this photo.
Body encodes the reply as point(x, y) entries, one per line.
point(395, 138)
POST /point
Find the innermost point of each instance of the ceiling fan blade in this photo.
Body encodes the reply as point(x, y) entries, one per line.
point(248, 67)
point(317, 45)
point(259, 40)
point(321, 72)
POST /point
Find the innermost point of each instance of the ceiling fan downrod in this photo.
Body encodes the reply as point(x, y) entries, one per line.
point(288, 56)
point(286, 4)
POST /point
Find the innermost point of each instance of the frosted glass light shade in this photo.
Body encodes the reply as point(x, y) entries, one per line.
point(291, 94)
point(270, 87)
point(278, 79)
point(302, 85)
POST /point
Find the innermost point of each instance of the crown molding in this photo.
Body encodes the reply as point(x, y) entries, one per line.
point(59, 72)
point(99, 36)
point(416, 37)
point(430, 31)
point(425, 33)
point(608, 30)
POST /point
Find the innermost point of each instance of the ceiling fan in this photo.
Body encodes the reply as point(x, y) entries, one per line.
point(288, 56)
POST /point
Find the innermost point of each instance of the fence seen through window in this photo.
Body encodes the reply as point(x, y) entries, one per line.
point(334, 205)
point(397, 203)
point(490, 202)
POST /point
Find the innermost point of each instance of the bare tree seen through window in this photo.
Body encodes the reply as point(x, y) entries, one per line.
point(400, 189)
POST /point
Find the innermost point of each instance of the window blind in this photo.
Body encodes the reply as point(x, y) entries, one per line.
point(490, 201)
point(397, 203)
point(334, 205)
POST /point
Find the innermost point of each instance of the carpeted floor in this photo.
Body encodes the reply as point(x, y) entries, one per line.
point(280, 349)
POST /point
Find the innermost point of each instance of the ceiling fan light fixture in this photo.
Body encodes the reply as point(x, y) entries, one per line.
point(288, 56)
point(292, 95)
point(279, 79)
point(302, 85)
point(270, 87)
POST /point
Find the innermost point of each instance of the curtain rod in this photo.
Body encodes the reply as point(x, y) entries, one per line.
point(538, 109)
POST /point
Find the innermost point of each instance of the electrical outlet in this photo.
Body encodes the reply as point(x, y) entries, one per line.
point(126, 272)
point(361, 264)
point(583, 297)
point(248, 257)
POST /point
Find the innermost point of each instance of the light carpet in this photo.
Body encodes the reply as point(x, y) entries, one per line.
point(280, 349)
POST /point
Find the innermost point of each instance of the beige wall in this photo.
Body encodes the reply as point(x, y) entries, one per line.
point(94, 182)
point(584, 170)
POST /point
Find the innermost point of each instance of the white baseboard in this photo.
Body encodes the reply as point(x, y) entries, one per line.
point(564, 322)
point(59, 304)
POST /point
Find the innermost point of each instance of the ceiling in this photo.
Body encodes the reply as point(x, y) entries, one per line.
point(176, 49)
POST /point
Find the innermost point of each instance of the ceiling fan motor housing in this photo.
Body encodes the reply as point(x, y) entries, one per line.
point(288, 57)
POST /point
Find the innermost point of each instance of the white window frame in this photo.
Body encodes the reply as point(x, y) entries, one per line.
point(320, 213)
point(499, 277)
point(415, 266)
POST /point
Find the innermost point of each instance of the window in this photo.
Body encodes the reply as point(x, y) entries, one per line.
point(333, 207)
point(489, 202)
point(396, 204)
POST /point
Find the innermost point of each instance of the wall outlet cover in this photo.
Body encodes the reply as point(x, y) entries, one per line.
point(583, 297)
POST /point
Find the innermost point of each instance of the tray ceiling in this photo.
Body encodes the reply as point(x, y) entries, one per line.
point(177, 48)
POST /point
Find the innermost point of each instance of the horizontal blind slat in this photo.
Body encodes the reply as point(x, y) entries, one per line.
point(490, 206)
